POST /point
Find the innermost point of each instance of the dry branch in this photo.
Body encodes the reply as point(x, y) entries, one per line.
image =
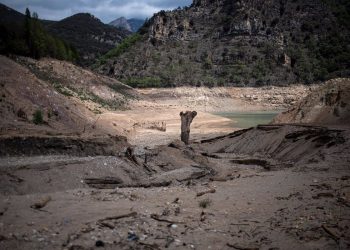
point(117, 217)
point(156, 217)
point(206, 192)
point(332, 234)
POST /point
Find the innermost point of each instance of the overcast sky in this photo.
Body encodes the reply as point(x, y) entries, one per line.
point(106, 10)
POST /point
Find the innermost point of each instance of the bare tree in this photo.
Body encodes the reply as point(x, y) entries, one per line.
point(186, 120)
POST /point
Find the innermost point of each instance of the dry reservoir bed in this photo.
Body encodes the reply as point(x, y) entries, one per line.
point(277, 186)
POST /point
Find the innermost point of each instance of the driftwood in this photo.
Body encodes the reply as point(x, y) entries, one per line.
point(106, 224)
point(186, 120)
point(221, 179)
point(332, 234)
point(145, 185)
point(148, 168)
point(103, 183)
point(211, 156)
point(224, 179)
point(259, 162)
point(156, 217)
point(42, 203)
point(242, 247)
point(131, 156)
point(195, 176)
point(117, 217)
point(323, 195)
point(206, 192)
point(103, 180)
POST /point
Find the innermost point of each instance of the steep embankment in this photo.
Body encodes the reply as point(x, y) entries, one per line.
point(48, 99)
point(328, 105)
point(239, 43)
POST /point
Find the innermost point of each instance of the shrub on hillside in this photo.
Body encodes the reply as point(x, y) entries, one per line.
point(144, 82)
point(121, 48)
point(38, 117)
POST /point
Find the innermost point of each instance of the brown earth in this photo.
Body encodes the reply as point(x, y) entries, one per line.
point(271, 187)
point(80, 103)
point(328, 104)
point(274, 186)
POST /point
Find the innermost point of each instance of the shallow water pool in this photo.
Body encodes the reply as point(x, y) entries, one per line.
point(249, 119)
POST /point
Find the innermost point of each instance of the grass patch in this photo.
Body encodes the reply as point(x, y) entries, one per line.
point(114, 104)
point(62, 89)
point(144, 82)
point(205, 203)
point(82, 94)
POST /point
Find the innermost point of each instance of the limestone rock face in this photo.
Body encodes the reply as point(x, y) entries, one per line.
point(131, 25)
point(242, 43)
point(121, 23)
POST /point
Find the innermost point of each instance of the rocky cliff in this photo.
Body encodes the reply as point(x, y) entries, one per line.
point(253, 42)
point(131, 25)
point(121, 22)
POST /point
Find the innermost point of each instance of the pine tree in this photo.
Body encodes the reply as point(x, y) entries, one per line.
point(34, 41)
point(27, 30)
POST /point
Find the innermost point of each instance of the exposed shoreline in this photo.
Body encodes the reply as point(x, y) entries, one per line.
point(164, 105)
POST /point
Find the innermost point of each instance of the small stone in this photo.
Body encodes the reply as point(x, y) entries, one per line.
point(177, 242)
point(143, 237)
point(99, 243)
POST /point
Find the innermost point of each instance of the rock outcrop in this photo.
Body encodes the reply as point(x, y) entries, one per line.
point(51, 98)
point(131, 25)
point(238, 43)
point(329, 104)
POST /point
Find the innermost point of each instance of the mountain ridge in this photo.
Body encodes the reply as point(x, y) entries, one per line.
point(88, 34)
point(240, 43)
point(132, 24)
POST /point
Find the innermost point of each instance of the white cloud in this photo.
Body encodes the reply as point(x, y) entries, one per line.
point(106, 10)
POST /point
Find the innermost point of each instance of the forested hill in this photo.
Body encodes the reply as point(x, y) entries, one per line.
point(239, 42)
point(88, 35)
point(80, 38)
point(25, 35)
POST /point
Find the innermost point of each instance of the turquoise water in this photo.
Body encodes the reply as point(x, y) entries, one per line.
point(249, 119)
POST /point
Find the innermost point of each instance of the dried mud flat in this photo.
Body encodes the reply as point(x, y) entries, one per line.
point(271, 187)
point(65, 185)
